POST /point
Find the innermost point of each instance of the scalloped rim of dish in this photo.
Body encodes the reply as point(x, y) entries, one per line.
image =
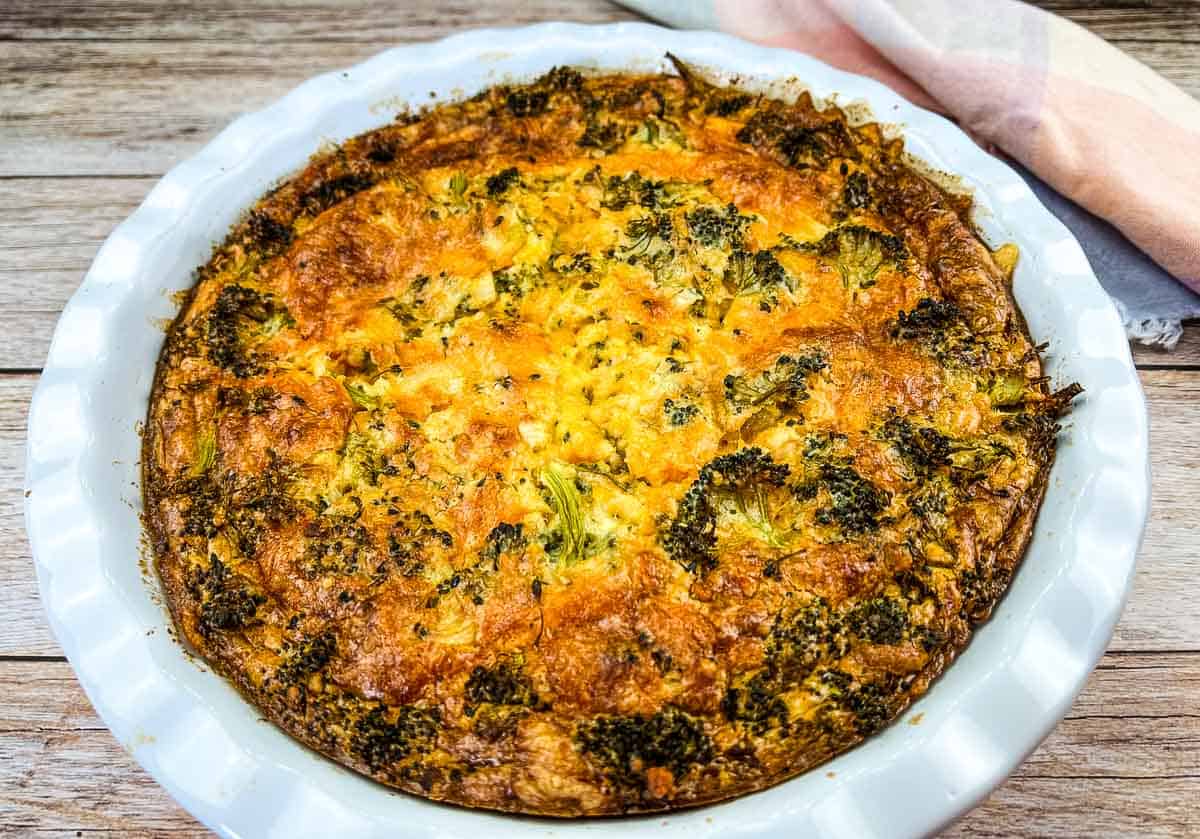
point(242, 777)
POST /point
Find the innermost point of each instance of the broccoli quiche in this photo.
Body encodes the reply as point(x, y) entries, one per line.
point(599, 445)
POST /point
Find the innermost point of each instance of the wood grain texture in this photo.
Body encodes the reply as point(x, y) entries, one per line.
point(98, 99)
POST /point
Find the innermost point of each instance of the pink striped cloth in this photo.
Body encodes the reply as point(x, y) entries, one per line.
point(1091, 121)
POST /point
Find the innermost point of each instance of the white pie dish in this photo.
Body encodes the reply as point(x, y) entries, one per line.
point(243, 777)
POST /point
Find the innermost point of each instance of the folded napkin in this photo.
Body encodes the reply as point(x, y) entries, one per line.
point(1109, 146)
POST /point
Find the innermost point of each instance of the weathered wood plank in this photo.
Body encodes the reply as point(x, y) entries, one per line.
point(137, 107)
point(359, 20)
point(1184, 354)
point(1092, 807)
point(1137, 720)
point(52, 227)
point(304, 21)
point(1162, 613)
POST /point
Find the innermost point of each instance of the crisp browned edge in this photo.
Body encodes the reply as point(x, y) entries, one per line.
point(1008, 554)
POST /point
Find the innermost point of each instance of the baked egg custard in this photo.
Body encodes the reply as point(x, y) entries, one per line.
point(600, 445)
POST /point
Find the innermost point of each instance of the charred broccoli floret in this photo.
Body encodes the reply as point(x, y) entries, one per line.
point(757, 703)
point(860, 252)
point(410, 540)
point(880, 620)
point(869, 705)
point(855, 504)
point(737, 484)
point(729, 104)
point(801, 639)
point(939, 328)
point(227, 600)
point(499, 183)
point(336, 544)
point(504, 538)
point(718, 228)
point(922, 448)
point(625, 747)
point(382, 738)
point(305, 658)
point(503, 684)
point(239, 318)
point(527, 103)
point(797, 643)
point(800, 146)
point(330, 191)
point(622, 191)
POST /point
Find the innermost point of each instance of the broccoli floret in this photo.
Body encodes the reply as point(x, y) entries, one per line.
point(227, 600)
point(939, 328)
point(799, 146)
point(239, 317)
point(859, 253)
point(869, 705)
point(254, 402)
point(499, 183)
point(620, 192)
point(602, 134)
point(336, 545)
point(503, 684)
point(625, 747)
point(775, 392)
point(331, 191)
point(752, 273)
point(855, 504)
point(880, 620)
point(504, 538)
point(972, 460)
point(381, 740)
point(757, 702)
point(644, 230)
point(650, 241)
point(679, 413)
point(527, 103)
point(364, 460)
point(307, 657)
point(737, 483)
point(802, 639)
point(716, 228)
point(410, 541)
point(784, 384)
point(560, 78)
point(922, 448)
point(266, 234)
point(518, 280)
point(1038, 421)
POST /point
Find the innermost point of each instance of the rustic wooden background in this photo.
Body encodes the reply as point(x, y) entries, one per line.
point(98, 99)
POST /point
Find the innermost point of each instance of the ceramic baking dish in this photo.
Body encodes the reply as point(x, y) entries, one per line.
point(242, 777)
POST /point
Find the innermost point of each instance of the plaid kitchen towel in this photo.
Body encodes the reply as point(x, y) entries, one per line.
point(1111, 147)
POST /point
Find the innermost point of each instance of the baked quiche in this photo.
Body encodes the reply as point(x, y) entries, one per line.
point(600, 445)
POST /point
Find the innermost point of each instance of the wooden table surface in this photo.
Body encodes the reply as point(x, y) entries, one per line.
point(97, 102)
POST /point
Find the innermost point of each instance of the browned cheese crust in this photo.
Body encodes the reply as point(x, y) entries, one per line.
point(596, 446)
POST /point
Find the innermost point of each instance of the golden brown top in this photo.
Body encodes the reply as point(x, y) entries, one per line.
point(595, 446)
